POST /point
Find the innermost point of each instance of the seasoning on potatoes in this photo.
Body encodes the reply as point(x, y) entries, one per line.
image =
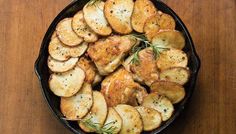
point(77, 106)
point(179, 75)
point(158, 22)
point(95, 18)
point(159, 103)
point(61, 52)
point(118, 14)
point(131, 119)
point(68, 83)
point(172, 58)
point(82, 29)
point(61, 66)
point(151, 118)
point(143, 9)
point(173, 91)
point(169, 39)
point(66, 34)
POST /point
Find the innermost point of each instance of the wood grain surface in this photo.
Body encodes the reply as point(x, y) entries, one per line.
point(212, 24)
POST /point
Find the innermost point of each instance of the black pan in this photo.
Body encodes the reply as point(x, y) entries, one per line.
point(53, 101)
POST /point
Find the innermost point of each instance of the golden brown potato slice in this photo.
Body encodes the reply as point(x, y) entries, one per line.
point(82, 29)
point(109, 53)
point(158, 22)
point(172, 58)
point(61, 66)
point(89, 69)
point(176, 74)
point(119, 88)
point(159, 103)
point(147, 63)
point(97, 114)
point(66, 34)
point(150, 117)
point(166, 21)
point(143, 9)
point(67, 84)
point(171, 90)
point(169, 39)
point(77, 106)
point(152, 26)
point(60, 52)
point(118, 14)
point(131, 119)
point(113, 121)
point(95, 18)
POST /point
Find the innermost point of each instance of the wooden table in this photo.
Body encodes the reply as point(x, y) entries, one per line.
point(212, 24)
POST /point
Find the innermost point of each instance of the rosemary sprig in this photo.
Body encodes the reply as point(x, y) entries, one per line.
point(96, 126)
point(136, 49)
point(92, 3)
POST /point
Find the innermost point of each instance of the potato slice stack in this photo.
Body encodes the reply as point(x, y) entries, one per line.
point(90, 48)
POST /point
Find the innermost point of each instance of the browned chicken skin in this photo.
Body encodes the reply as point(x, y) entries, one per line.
point(119, 88)
point(108, 53)
point(89, 68)
point(146, 70)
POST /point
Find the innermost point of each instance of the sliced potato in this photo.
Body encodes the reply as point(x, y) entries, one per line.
point(113, 121)
point(78, 50)
point(173, 91)
point(82, 29)
point(61, 66)
point(158, 22)
point(97, 115)
point(159, 103)
point(77, 106)
point(67, 84)
point(152, 26)
point(150, 117)
point(118, 14)
point(172, 58)
point(176, 74)
point(60, 52)
point(143, 9)
point(166, 21)
point(132, 122)
point(169, 39)
point(66, 34)
point(95, 18)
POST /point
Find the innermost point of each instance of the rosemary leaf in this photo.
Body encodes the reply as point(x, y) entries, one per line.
point(136, 49)
point(92, 2)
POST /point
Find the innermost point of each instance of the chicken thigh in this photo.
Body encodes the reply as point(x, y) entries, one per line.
point(145, 71)
point(109, 53)
point(120, 88)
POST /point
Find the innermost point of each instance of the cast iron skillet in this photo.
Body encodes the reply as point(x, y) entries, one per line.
point(53, 101)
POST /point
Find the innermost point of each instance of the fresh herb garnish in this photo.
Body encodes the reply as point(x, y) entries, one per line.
point(136, 49)
point(96, 126)
point(92, 2)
